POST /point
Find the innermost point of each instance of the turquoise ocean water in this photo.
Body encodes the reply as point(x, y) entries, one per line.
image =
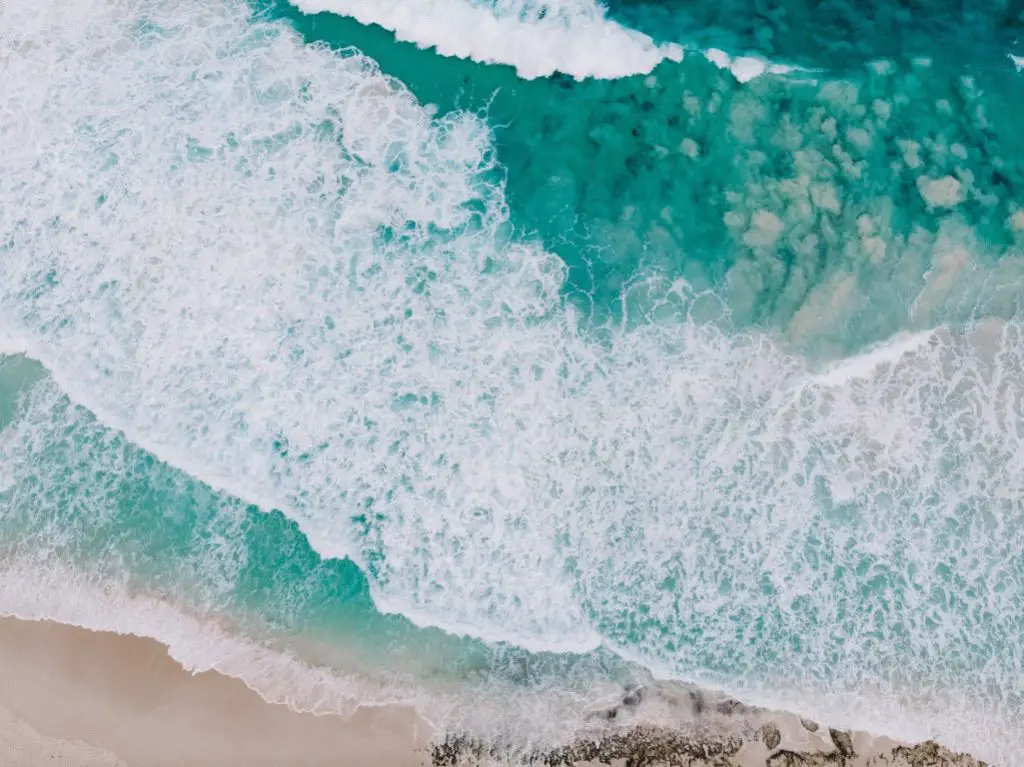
point(495, 356)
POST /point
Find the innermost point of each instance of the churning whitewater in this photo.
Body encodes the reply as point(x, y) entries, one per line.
point(289, 356)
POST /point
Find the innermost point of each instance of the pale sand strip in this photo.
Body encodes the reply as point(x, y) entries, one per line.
point(69, 696)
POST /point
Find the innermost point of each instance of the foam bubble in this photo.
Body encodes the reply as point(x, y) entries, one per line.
point(1018, 61)
point(537, 39)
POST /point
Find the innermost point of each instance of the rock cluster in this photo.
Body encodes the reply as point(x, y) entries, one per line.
point(708, 731)
point(662, 747)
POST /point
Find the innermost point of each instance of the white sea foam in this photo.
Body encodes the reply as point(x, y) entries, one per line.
point(865, 366)
point(745, 68)
point(271, 267)
point(1018, 61)
point(68, 487)
point(266, 294)
point(573, 37)
point(11, 344)
point(61, 594)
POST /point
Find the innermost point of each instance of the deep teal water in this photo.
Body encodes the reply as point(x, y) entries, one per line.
point(543, 387)
point(836, 34)
point(595, 168)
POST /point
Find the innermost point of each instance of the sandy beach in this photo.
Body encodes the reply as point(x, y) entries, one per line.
point(70, 696)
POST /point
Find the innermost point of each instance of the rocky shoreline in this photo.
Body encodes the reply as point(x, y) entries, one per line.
point(660, 747)
point(720, 732)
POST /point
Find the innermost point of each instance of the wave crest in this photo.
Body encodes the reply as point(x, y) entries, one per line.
point(573, 37)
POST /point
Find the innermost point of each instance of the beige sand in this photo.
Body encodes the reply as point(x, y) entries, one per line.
point(69, 696)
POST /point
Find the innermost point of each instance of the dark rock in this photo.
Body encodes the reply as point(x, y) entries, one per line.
point(643, 746)
point(790, 759)
point(697, 702)
point(730, 706)
point(454, 748)
point(931, 754)
point(843, 741)
point(634, 698)
point(809, 725)
point(770, 736)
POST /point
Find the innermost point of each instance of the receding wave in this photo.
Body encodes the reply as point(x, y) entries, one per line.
point(66, 596)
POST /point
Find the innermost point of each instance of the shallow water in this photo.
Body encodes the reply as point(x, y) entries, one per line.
point(400, 366)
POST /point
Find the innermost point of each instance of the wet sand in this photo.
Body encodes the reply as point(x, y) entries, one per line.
point(70, 696)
